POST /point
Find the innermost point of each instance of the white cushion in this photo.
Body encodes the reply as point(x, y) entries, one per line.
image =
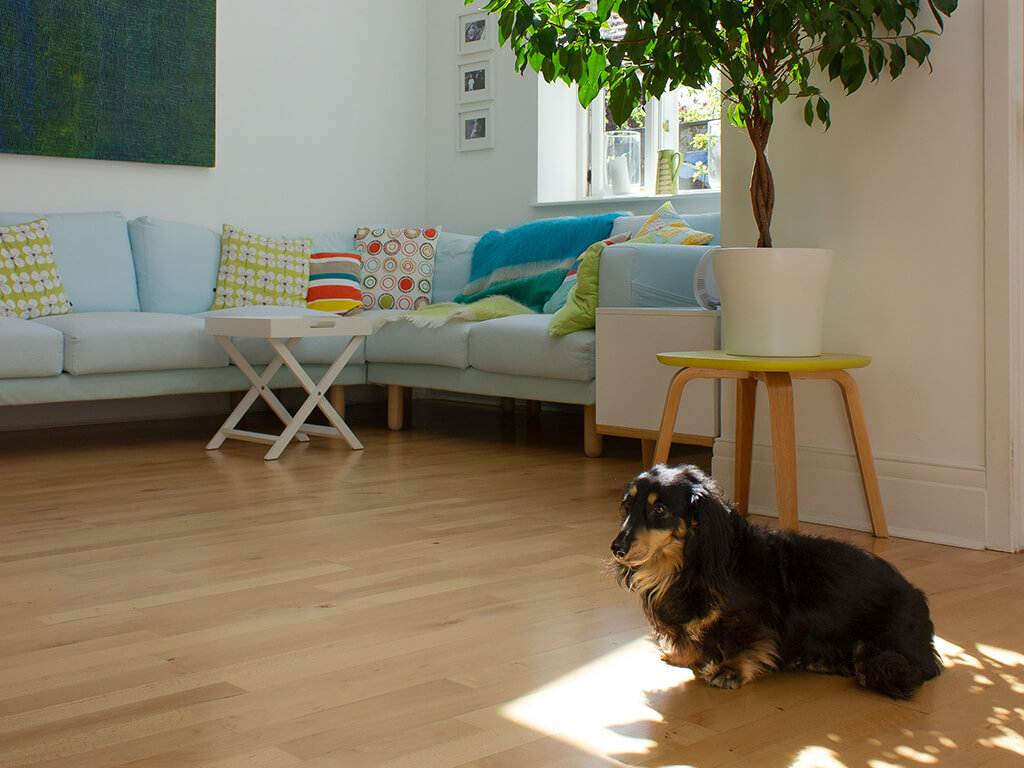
point(114, 342)
point(520, 345)
point(29, 349)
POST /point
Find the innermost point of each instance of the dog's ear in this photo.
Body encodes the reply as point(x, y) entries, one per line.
point(710, 540)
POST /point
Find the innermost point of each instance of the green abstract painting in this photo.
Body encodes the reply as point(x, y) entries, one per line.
point(109, 79)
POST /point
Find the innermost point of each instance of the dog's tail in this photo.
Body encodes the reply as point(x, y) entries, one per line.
point(890, 672)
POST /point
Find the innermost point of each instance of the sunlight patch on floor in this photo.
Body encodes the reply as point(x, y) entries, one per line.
point(592, 706)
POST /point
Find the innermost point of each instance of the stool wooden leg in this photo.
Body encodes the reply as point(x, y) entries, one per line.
point(780, 401)
point(746, 400)
point(862, 447)
point(668, 417)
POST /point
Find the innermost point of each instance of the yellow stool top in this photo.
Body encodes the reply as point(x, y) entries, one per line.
point(716, 359)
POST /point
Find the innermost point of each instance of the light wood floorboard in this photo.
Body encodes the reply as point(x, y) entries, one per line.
point(434, 601)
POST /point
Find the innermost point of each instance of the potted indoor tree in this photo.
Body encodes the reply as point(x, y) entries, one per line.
point(767, 51)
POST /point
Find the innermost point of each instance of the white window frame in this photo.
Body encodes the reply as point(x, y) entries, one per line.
point(661, 128)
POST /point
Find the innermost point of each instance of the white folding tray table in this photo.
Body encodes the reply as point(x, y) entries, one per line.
point(283, 333)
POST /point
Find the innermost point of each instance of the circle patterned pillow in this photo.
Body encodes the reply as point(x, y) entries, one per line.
point(398, 266)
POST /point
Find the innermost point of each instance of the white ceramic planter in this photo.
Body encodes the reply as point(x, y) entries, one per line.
point(773, 299)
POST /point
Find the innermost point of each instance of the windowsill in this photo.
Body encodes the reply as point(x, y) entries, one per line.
point(641, 198)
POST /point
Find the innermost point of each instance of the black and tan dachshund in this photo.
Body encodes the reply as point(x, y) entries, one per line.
point(732, 600)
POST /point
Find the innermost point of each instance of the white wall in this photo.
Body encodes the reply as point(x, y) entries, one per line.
point(472, 192)
point(896, 188)
point(320, 109)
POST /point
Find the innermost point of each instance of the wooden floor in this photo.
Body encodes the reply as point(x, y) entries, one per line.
point(435, 600)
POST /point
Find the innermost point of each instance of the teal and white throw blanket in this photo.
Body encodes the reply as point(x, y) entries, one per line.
point(528, 263)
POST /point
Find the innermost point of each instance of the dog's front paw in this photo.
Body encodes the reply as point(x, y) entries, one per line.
point(725, 678)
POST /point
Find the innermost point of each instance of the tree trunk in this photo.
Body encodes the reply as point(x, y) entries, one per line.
point(762, 186)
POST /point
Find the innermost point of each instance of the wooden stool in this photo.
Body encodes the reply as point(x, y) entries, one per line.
point(777, 373)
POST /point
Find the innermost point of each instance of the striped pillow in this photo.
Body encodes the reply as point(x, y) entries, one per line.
point(334, 282)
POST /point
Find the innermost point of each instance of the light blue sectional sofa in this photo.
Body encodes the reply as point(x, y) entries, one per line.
point(141, 291)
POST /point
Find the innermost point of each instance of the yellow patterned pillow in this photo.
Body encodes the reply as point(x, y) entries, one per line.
point(30, 284)
point(667, 227)
point(257, 270)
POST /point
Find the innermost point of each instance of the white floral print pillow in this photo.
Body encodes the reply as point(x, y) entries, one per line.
point(30, 283)
point(257, 270)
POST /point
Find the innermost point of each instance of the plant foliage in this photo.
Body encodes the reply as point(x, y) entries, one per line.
point(768, 51)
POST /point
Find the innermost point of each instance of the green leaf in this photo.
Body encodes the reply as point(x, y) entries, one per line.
point(918, 49)
point(809, 113)
point(853, 68)
point(876, 59)
point(823, 112)
point(897, 61)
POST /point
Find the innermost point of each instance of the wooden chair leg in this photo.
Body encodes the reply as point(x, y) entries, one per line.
point(746, 402)
point(396, 407)
point(780, 401)
point(336, 396)
point(647, 452)
point(593, 443)
point(862, 447)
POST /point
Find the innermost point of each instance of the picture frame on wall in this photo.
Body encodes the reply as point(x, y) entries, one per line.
point(476, 32)
point(475, 82)
point(476, 128)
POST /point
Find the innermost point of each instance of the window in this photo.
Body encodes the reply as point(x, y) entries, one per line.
point(624, 159)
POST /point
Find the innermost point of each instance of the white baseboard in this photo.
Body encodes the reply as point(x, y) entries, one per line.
point(923, 500)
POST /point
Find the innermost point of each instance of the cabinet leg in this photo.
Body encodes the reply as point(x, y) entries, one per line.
point(592, 441)
point(647, 452)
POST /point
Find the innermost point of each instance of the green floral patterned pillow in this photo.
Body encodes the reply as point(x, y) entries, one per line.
point(30, 284)
point(257, 270)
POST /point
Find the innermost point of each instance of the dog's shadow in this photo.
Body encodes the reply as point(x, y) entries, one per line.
point(824, 721)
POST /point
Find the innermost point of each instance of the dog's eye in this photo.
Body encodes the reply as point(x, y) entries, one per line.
point(659, 510)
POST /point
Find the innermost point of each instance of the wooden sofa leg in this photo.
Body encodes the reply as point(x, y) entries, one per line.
point(396, 407)
point(592, 442)
point(508, 405)
point(336, 396)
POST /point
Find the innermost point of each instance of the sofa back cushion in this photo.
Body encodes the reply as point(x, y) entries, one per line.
point(176, 265)
point(452, 265)
point(94, 258)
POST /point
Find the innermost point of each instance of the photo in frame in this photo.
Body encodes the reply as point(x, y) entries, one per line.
point(476, 129)
point(476, 33)
point(475, 80)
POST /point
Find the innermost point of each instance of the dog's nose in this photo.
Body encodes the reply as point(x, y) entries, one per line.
point(619, 549)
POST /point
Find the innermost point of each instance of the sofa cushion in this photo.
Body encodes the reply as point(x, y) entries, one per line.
point(668, 227)
point(260, 270)
point(521, 345)
point(29, 349)
point(454, 259)
point(308, 351)
point(114, 342)
point(94, 257)
point(30, 284)
point(403, 342)
point(175, 263)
